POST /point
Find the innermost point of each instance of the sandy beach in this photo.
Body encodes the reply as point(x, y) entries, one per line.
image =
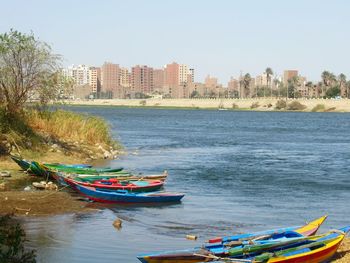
point(267, 104)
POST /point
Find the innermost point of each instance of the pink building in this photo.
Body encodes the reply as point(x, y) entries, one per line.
point(171, 74)
point(142, 79)
point(110, 79)
point(158, 80)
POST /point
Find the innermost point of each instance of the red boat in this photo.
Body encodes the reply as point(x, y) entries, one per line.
point(119, 184)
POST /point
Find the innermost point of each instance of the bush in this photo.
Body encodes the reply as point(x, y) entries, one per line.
point(12, 238)
point(296, 105)
point(254, 105)
point(318, 107)
point(234, 106)
point(330, 109)
point(281, 104)
point(143, 103)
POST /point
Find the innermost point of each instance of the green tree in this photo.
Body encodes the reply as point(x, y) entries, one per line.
point(342, 83)
point(246, 84)
point(333, 92)
point(195, 94)
point(27, 68)
point(12, 238)
point(269, 73)
point(309, 86)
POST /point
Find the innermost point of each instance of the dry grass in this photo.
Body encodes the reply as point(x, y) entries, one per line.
point(70, 126)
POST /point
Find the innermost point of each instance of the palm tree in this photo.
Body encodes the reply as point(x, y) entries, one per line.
point(309, 85)
point(246, 83)
point(269, 73)
point(342, 84)
point(328, 79)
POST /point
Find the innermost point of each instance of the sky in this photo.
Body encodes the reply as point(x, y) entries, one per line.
point(217, 37)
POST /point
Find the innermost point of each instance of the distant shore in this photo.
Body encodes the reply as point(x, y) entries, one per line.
point(261, 104)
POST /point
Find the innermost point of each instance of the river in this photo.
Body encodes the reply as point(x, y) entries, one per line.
point(241, 172)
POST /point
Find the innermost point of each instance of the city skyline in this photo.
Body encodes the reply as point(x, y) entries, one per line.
point(220, 38)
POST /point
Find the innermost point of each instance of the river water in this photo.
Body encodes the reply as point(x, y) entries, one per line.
point(241, 172)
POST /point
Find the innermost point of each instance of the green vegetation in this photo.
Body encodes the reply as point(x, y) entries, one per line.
point(296, 105)
point(58, 124)
point(281, 104)
point(30, 71)
point(12, 238)
point(234, 106)
point(254, 105)
point(318, 107)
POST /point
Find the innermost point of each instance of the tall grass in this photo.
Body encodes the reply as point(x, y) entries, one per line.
point(70, 126)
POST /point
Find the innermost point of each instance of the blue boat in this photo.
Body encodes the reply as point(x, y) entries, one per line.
point(237, 244)
point(123, 196)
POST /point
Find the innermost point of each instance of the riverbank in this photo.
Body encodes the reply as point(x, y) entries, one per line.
point(261, 104)
point(14, 200)
point(48, 137)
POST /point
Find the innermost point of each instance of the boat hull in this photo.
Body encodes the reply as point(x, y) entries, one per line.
point(127, 197)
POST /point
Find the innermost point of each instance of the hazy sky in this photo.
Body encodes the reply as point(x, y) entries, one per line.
point(217, 37)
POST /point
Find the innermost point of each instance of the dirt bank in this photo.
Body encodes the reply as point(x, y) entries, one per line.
point(13, 198)
point(261, 104)
point(40, 203)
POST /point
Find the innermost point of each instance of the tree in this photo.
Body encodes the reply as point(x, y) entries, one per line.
point(342, 84)
point(269, 73)
point(246, 84)
point(309, 85)
point(292, 85)
point(28, 68)
point(195, 94)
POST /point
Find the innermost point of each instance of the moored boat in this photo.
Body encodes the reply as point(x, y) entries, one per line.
point(25, 165)
point(110, 184)
point(319, 250)
point(123, 196)
point(221, 246)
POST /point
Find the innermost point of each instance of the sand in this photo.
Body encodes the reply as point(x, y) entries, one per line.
point(267, 104)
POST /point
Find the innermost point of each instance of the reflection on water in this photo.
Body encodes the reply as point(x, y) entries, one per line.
point(241, 171)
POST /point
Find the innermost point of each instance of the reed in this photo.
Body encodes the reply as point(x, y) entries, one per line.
point(70, 126)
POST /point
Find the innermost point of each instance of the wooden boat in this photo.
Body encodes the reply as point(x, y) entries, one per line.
point(221, 246)
point(25, 165)
point(318, 250)
point(110, 184)
point(123, 196)
point(43, 170)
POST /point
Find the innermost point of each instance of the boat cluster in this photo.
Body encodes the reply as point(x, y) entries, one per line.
point(296, 244)
point(108, 185)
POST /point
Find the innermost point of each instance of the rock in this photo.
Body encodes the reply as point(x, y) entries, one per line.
point(39, 185)
point(27, 188)
point(51, 150)
point(5, 174)
point(54, 146)
point(117, 223)
point(51, 186)
point(107, 155)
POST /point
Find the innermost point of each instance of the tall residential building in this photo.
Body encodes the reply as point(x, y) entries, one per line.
point(261, 80)
point(171, 74)
point(95, 79)
point(110, 79)
point(183, 73)
point(141, 79)
point(80, 74)
point(288, 74)
point(124, 77)
point(158, 80)
point(190, 76)
point(233, 84)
